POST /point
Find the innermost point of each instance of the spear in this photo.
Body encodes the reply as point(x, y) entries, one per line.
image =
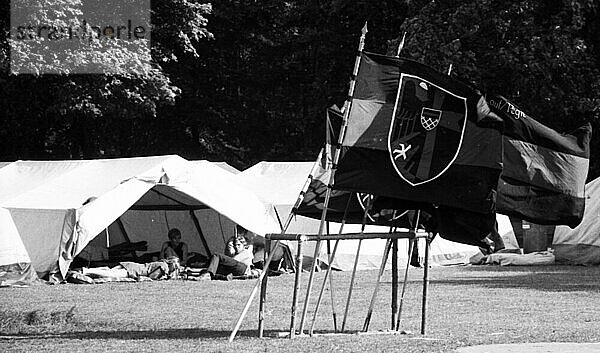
point(401, 45)
point(336, 154)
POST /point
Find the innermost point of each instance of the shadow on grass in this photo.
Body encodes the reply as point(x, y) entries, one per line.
point(185, 334)
point(543, 278)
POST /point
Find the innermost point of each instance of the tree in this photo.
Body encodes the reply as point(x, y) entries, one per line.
point(541, 55)
point(76, 115)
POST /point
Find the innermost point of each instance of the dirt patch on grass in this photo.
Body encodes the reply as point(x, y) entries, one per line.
point(35, 321)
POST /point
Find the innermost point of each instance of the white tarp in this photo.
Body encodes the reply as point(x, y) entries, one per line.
point(46, 199)
point(581, 246)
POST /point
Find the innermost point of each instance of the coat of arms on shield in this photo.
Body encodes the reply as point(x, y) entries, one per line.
point(380, 217)
point(426, 129)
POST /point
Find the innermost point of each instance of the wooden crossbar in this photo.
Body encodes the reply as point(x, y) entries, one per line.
point(346, 236)
point(412, 235)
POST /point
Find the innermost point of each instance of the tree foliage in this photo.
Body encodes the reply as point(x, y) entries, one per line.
point(544, 56)
point(67, 115)
point(245, 81)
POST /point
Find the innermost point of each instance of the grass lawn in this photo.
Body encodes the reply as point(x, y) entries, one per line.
point(467, 305)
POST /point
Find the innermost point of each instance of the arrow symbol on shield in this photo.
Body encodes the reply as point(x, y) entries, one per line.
point(401, 152)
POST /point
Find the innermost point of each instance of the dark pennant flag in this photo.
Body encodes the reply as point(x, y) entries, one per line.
point(544, 173)
point(344, 205)
point(413, 135)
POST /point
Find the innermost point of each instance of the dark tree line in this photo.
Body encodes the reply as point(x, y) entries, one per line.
point(250, 80)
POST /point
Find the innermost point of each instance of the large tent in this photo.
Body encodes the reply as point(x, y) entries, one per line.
point(581, 245)
point(280, 183)
point(60, 206)
point(15, 265)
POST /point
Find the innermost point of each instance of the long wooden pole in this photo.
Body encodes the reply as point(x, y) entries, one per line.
point(394, 281)
point(269, 259)
point(386, 252)
point(425, 283)
point(331, 288)
point(251, 297)
point(336, 154)
point(412, 243)
point(299, 265)
point(328, 274)
point(263, 291)
point(350, 289)
point(317, 305)
point(401, 45)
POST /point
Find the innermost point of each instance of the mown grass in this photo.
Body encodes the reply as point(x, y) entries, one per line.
point(467, 306)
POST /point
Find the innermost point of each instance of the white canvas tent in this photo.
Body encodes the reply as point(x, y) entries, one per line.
point(281, 182)
point(581, 246)
point(228, 167)
point(46, 199)
point(15, 265)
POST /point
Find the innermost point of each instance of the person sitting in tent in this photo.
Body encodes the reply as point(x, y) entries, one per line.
point(236, 261)
point(174, 247)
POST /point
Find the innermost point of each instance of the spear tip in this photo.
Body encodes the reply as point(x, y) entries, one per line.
point(364, 29)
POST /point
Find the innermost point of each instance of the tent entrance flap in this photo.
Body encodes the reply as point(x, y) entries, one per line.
point(144, 227)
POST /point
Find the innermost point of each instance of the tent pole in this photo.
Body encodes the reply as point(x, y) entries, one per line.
point(299, 261)
point(386, 252)
point(362, 231)
point(394, 281)
point(263, 291)
point(125, 235)
point(425, 282)
point(199, 229)
point(122, 228)
point(336, 155)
